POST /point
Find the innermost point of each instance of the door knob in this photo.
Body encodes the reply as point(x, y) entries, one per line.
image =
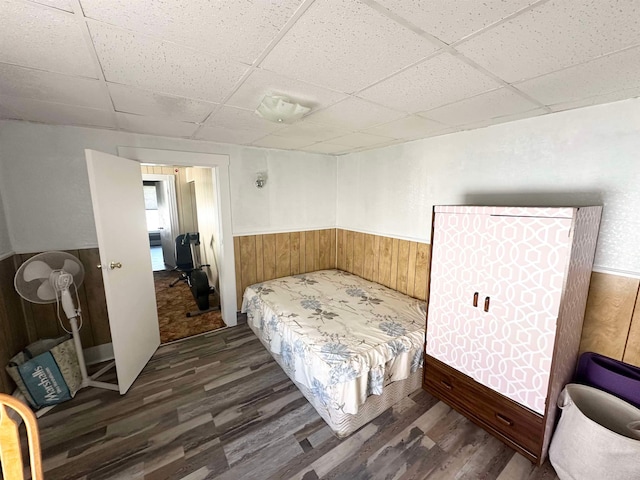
point(113, 265)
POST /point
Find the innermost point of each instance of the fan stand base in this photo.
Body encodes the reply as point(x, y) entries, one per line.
point(92, 382)
point(89, 381)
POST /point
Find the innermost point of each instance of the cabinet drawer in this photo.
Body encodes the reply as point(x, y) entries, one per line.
point(506, 419)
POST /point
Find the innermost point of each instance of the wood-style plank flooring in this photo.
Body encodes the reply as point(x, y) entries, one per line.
point(218, 406)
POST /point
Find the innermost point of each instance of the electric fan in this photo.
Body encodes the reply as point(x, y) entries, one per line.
point(48, 278)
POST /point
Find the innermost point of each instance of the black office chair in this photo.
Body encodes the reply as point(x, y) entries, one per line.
point(184, 259)
point(188, 264)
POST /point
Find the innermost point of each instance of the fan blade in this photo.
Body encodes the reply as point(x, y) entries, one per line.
point(71, 267)
point(36, 270)
point(46, 292)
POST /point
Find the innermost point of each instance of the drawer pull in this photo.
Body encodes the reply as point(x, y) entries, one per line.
point(446, 385)
point(504, 420)
point(475, 299)
point(486, 304)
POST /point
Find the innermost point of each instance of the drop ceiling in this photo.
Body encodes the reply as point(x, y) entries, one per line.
point(374, 73)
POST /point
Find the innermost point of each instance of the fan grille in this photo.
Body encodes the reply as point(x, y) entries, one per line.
point(32, 278)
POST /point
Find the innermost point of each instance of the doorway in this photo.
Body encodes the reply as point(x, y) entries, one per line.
point(162, 216)
point(224, 240)
point(119, 213)
point(182, 214)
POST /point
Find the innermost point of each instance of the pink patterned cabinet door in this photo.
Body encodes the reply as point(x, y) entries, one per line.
point(528, 258)
point(461, 245)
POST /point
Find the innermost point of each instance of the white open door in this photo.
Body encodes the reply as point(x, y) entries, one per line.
point(118, 208)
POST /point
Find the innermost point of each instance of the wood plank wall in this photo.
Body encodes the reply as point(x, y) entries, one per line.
point(612, 319)
point(13, 330)
point(42, 320)
point(264, 257)
point(22, 322)
point(398, 264)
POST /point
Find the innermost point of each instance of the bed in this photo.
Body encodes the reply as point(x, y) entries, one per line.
point(353, 347)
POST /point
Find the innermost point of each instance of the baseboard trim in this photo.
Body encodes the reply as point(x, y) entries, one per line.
point(98, 354)
point(614, 271)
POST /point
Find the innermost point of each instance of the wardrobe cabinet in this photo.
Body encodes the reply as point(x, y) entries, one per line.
point(507, 294)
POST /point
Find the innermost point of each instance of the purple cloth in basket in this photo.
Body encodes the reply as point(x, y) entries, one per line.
point(612, 376)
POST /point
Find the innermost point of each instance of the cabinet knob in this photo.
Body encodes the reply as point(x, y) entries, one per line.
point(486, 304)
point(475, 299)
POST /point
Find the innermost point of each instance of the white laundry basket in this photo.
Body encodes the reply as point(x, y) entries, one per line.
point(598, 436)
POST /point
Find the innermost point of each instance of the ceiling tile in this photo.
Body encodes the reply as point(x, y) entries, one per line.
point(57, 113)
point(604, 75)
point(554, 35)
point(262, 82)
point(312, 132)
point(141, 61)
point(155, 126)
point(226, 135)
point(59, 4)
point(447, 20)
point(326, 147)
point(345, 45)
point(361, 140)
point(231, 117)
point(285, 143)
point(52, 87)
point(36, 36)
point(440, 80)
point(408, 127)
point(129, 99)
point(354, 114)
point(485, 106)
point(238, 30)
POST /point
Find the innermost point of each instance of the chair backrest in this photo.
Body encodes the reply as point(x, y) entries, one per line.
point(10, 452)
point(184, 258)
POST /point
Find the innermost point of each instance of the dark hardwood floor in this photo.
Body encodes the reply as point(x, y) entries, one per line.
point(217, 406)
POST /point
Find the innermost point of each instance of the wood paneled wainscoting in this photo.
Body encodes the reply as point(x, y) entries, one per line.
point(398, 264)
point(23, 322)
point(13, 329)
point(265, 257)
point(612, 319)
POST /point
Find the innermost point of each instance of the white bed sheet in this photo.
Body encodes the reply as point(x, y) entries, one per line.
point(341, 336)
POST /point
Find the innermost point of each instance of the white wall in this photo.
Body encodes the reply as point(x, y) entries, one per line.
point(300, 192)
point(43, 180)
point(585, 156)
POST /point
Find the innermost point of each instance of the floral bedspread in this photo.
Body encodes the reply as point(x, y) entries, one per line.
point(341, 336)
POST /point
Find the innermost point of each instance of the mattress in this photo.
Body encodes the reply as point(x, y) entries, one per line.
point(340, 336)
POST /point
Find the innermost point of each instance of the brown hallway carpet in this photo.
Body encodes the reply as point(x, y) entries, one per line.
point(173, 305)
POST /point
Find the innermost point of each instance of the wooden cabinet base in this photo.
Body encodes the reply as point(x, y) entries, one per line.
point(515, 425)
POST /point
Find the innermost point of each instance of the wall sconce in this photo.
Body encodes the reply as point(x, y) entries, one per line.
point(261, 179)
point(280, 109)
